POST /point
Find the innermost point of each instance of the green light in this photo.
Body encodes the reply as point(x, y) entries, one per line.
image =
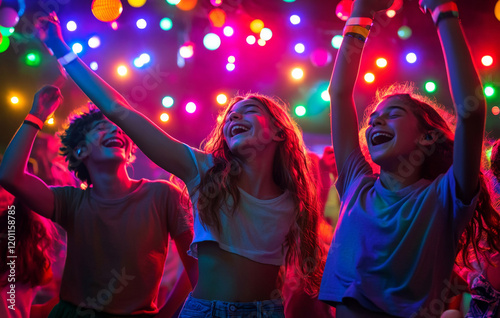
point(488, 153)
point(430, 87)
point(325, 96)
point(300, 110)
point(166, 24)
point(337, 41)
point(489, 91)
point(288, 0)
point(33, 58)
point(6, 31)
point(173, 2)
point(404, 32)
point(5, 44)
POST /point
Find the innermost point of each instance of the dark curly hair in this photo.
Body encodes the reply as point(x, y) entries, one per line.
point(73, 137)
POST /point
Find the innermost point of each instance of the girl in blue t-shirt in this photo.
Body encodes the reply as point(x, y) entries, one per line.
point(409, 186)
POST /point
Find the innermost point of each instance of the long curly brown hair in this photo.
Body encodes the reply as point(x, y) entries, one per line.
point(483, 231)
point(35, 240)
point(291, 171)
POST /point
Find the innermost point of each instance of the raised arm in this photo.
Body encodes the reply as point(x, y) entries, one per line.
point(160, 147)
point(344, 118)
point(13, 175)
point(470, 105)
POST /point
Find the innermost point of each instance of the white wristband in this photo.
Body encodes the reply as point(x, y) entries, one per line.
point(68, 58)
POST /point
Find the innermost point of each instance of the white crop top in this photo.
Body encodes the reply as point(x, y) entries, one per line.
point(257, 230)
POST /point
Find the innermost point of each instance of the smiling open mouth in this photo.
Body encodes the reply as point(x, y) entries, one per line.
point(238, 129)
point(113, 143)
point(380, 138)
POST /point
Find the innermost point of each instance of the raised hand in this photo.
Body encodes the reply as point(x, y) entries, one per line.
point(46, 101)
point(49, 31)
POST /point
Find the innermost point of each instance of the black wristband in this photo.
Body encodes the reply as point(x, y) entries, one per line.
point(446, 15)
point(27, 122)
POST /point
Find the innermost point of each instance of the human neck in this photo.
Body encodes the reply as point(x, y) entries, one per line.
point(112, 181)
point(256, 177)
point(395, 181)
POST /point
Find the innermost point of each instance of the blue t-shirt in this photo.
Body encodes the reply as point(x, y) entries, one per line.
point(394, 251)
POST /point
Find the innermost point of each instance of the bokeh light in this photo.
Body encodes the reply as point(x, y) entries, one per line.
point(33, 58)
point(251, 39)
point(320, 57)
point(141, 24)
point(294, 19)
point(337, 41)
point(211, 41)
point(217, 17)
point(300, 110)
point(228, 31)
point(173, 2)
point(489, 91)
point(404, 32)
point(14, 100)
point(487, 60)
point(187, 50)
point(231, 59)
point(71, 26)
point(191, 107)
point(495, 110)
point(266, 34)
point(94, 42)
point(166, 24)
point(325, 96)
point(221, 99)
point(51, 121)
point(299, 48)
point(230, 67)
point(411, 58)
point(430, 87)
point(77, 48)
point(136, 3)
point(256, 25)
point(167, 101)
point(381, 62)
point(122, 70)
point(164, 117)
point(261, 42)
point(216, 3)
point(390, 13)
point(187, 5)
point(94, 66)
point(369, 77)
point(297, 73)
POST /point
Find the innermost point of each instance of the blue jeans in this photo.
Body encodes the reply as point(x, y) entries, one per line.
point(200, 308)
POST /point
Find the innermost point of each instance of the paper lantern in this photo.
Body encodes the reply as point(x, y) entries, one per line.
point(136, 3)
point(497, 10)
point(107, 10)
point(8, 17)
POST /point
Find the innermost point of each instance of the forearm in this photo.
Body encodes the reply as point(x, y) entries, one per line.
point(106, 98)
point(176, 297)
point(16, 156)
point(345, 71)
point(463, 78)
